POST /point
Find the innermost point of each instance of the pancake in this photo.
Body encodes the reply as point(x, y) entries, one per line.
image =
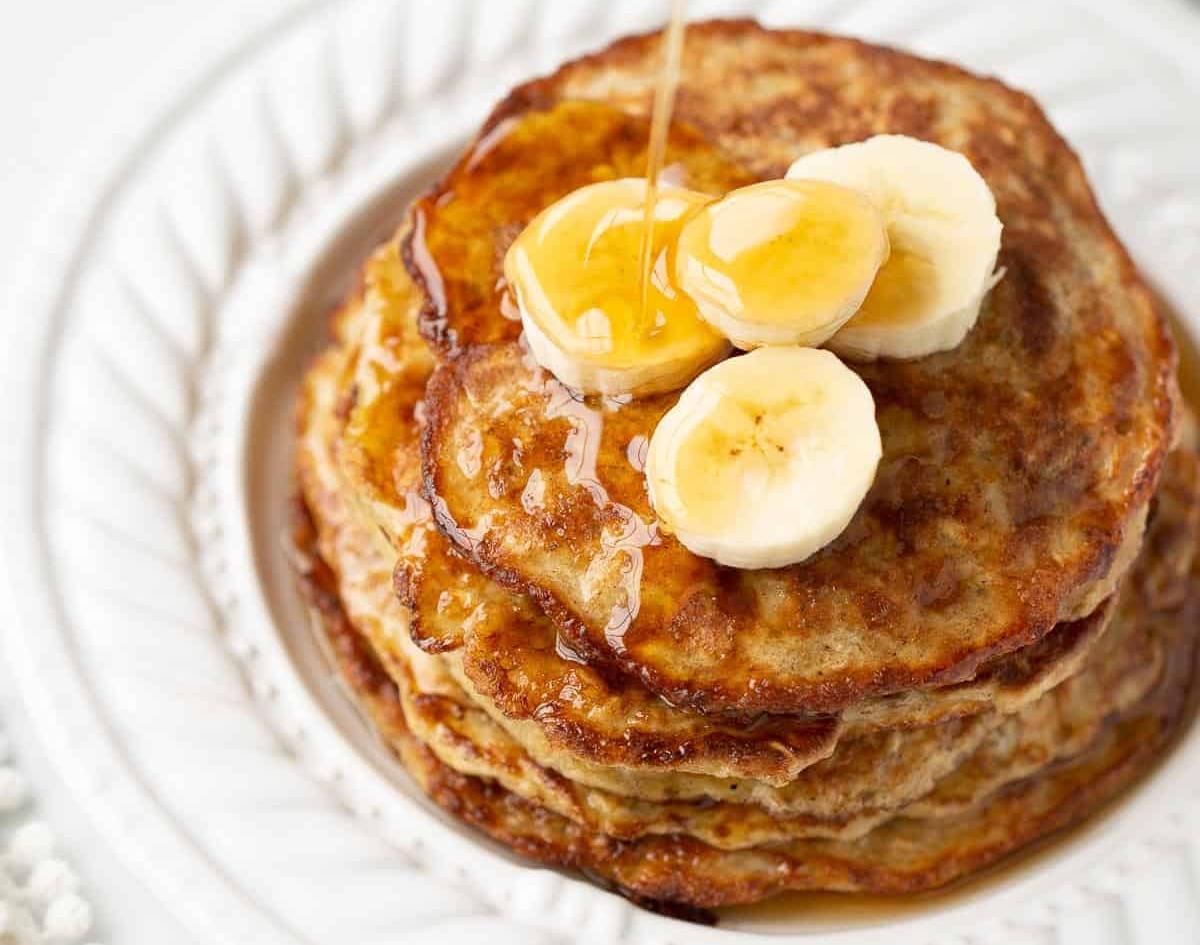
point(451, 747)
point(861, 786)
point(597, 728)
point(1016, 468)
point(903, 854)
point(678, 870)
point(364, 563)
point(379, 458)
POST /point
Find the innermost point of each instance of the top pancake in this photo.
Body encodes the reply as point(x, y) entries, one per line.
point(1015, 467)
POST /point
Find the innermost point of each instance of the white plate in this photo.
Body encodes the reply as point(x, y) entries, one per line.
point(168, 313)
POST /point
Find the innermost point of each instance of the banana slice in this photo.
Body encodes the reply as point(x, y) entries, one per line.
point(575, 270)
point(944, 235)
point(765, 458)
point(781, 262)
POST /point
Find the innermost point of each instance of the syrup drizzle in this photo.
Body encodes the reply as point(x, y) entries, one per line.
point(621, 545)
point(660, 122)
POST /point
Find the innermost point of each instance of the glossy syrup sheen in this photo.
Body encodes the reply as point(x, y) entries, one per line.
point(660, 122)
point(464, 227)
point(576, 270)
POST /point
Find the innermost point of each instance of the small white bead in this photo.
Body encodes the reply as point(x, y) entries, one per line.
point(32, 842)
point(51, 878)
point(14, 789)
point(68, 918)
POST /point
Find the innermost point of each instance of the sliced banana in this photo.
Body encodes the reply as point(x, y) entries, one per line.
point(944, 235)
point(781, 262)
point(575, 273)
point(765, 458)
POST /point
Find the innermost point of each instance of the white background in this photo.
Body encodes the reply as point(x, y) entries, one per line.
point(70, 71)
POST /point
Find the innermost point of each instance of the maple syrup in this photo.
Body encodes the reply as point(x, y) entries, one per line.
point(660, 122)
point(576, 271)
point(464, 226)
point(621, 559)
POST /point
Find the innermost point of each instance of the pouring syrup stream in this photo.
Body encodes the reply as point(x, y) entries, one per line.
point(660, 122)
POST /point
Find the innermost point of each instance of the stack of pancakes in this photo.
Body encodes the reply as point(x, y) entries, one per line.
point(999, 642)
